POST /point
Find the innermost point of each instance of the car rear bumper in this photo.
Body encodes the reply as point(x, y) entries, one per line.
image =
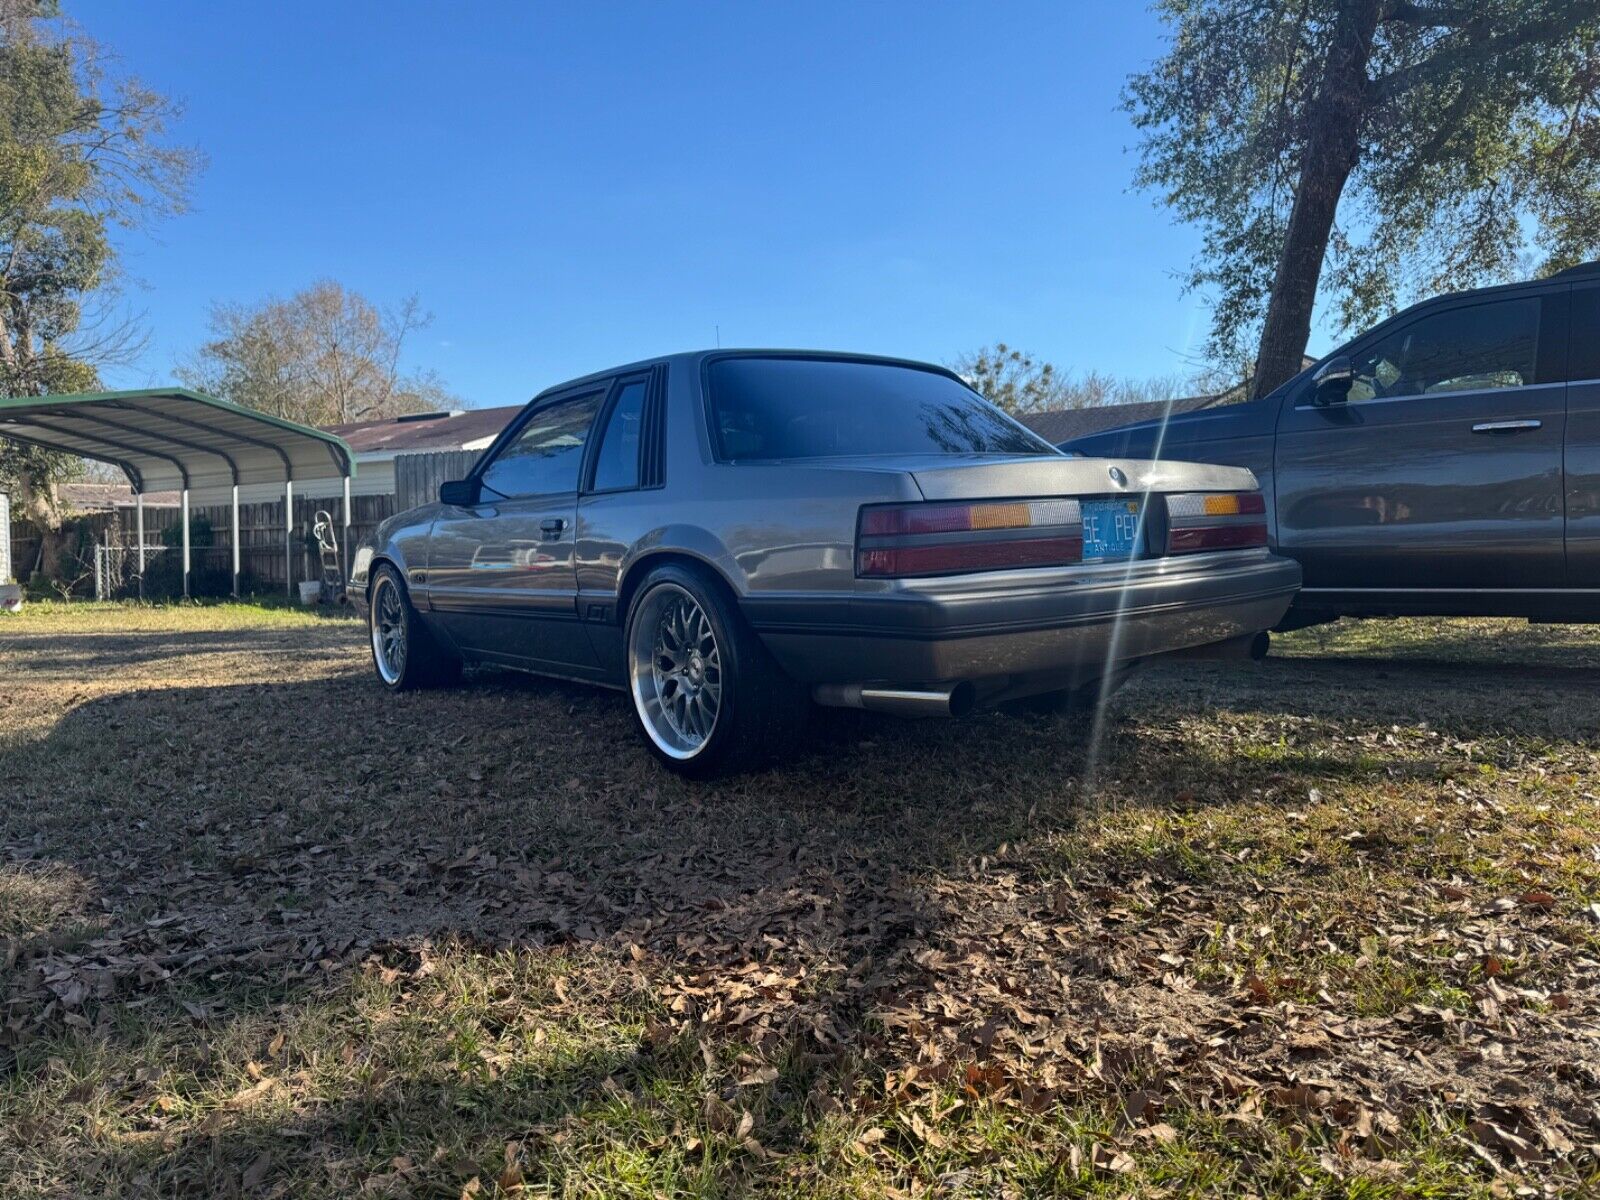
point(1011, 639)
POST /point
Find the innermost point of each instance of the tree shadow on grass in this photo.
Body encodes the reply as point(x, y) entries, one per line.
point(94, 653)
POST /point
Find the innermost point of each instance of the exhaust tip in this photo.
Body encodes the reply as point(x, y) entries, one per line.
point(963, 699)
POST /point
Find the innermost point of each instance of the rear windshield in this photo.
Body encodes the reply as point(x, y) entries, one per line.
point(765, 408)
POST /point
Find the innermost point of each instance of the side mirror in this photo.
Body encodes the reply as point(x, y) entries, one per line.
point(1331, 383)
point(461, 493)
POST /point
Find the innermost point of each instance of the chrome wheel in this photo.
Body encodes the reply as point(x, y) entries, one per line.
point(388, 630)
point(676, 669)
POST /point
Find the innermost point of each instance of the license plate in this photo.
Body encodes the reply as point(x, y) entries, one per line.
point(1110, 529)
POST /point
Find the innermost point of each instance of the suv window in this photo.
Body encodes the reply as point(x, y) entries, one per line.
point(616, 465)
point(1461, 349)
point(1583, 352)
point(544, 457)
point(773, 408)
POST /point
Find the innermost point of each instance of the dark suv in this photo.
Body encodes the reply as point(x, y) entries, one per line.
point(1445, 462)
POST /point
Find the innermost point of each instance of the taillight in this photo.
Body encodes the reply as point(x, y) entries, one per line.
point(1199, 521)
point(945, 539)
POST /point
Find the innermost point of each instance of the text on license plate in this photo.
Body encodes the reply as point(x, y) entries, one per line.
point(1110, 528)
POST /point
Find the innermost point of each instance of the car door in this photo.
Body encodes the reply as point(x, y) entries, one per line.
point(501, 574)
point(1583, 440)
point(619, 504)
point(1442, 470)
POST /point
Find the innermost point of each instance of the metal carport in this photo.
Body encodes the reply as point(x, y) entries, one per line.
point(172, 439)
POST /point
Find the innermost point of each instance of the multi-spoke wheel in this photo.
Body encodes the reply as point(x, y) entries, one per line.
point(707, 693)
point(388, 629)
point(404, 653)
point(677, 671)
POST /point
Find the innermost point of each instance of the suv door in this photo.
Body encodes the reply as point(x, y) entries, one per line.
point(1442, 471)
point(501, 575)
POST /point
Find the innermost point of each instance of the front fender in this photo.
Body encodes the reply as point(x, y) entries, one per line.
point(401, 540)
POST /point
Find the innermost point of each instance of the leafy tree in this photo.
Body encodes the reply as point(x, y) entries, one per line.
point(327, 355)
point(1401, 146)
point(80, 153)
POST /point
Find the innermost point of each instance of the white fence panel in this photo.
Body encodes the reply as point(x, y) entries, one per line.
point(5, 538)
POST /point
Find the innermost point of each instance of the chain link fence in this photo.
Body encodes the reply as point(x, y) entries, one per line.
point(120, 574)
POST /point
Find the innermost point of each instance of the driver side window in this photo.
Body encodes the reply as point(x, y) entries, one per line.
point(1475, 348)
point(543, 459)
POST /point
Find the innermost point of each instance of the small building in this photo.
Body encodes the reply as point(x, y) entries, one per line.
point(396, 463)
point(399, 464)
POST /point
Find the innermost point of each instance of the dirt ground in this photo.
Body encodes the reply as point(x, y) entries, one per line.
point(1324, 926)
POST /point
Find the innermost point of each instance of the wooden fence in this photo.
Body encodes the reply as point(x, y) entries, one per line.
point(264, 557)
point(264, 560)
point(417, 476)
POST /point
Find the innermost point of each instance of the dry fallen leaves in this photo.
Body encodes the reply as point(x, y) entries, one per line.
point(992, 974)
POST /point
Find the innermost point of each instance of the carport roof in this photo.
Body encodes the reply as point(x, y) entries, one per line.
point(170, 438)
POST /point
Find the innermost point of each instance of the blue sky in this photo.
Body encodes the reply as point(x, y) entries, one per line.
point(570, 186)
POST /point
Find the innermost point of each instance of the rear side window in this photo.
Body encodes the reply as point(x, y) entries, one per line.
point(543, 459)
point(1583, 351)
point(616, 464)
point(774, 408)
point(1469, 349)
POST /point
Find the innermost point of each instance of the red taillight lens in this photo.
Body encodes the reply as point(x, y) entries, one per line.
point(946, 539)
point(1216, 537)
point(1215, 521)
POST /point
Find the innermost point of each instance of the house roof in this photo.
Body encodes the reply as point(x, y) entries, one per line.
point(102, 497)
point(1063, 425)
point(469, 429)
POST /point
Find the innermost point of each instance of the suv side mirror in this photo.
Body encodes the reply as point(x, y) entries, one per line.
point(462, 493)
point(1331, 383)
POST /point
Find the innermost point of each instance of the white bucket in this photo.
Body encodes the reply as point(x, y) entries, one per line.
point(310, 591)
point(10, 597)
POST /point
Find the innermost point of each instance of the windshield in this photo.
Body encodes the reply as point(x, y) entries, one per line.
point(769, 408)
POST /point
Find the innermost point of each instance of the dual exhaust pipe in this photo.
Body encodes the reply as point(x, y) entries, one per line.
point(959, 699)
point(954, 701)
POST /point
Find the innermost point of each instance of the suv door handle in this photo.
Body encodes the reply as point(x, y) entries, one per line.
point(1505, 426)
point(553, 526)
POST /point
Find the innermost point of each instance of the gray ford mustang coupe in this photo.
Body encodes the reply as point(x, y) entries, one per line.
point(732, 536)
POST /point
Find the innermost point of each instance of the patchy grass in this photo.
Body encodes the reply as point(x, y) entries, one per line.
point(1322, 927)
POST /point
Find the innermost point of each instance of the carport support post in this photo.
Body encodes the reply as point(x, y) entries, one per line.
point(185, 543)
point(236, 541)
point(344, 542)
point(138, 529)
point(288, 537)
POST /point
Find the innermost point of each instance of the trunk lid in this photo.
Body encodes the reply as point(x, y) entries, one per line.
point(989, 477)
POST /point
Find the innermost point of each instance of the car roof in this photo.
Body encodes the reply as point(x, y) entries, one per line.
point(1570, 275)
point(694, 359)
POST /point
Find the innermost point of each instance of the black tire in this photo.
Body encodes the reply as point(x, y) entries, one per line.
point(423, 661)
point(761, 714)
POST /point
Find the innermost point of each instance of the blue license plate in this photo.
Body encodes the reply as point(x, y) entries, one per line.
point(1110, 529)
